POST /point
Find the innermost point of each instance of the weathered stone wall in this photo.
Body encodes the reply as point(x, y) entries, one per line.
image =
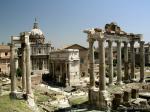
point(36, 79)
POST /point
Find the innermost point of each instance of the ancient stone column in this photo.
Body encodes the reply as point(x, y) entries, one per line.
point(142, 61)
point(126, 63)
point(102, 82)
point(91, 62)
point(28, 67)
point(66, 68)
point(148, 54)
point(132, 60)
point(110, 59)
point(13, 68)
point(53, 69)
point(119, 62)
point(23, 68)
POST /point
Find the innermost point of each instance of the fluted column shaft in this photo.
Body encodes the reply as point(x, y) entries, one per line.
point(110, 59)
point(126, 63)
point(142, 61)
point(132, 60)
point(119, 66)
point(91, 62)
point(102, 82)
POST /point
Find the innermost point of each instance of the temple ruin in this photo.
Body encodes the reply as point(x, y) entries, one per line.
point(112, 34)
point(23, 39)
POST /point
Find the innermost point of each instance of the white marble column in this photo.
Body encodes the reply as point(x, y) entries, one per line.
point(23, 68)
point(91, 62)
point(61, 74)
point(126, 63)
point(13, 68)
point(28, 67)
point(110, 62)
point(132, 60)
point(102, 82)
point(148, 54)
point(53, 69)
point(142, 61)
point(66, 69)
point(119, 63)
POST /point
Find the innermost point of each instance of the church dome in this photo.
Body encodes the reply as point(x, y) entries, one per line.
point(36, 35)
point(36, 32)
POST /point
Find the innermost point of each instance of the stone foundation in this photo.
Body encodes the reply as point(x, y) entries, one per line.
point(99, 100)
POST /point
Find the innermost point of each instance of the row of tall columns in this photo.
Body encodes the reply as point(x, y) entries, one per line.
point(119, 62)
point(53, 65)
point(26, 67)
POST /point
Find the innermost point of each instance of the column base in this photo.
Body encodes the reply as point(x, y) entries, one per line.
point(134, 80)
point(13, 94)
point(119, 83)
point(30, 100)
point(16, 95)
point(126, 81)
point(91, 94)
point(104, 100)
point(111, 84)
point(142, 81)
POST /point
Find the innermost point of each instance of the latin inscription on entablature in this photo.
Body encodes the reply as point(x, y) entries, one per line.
point(116, 38)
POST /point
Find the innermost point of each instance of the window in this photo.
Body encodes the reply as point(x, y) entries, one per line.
point(0, 69)
point(6, 53)
point(81, 60)
point(39, 51)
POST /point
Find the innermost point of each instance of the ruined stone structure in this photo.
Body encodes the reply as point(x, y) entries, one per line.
point(4, 59)
point(65, 67)
point(23, 39)
point(83, 54)
point(147, 54)
point(112, 34)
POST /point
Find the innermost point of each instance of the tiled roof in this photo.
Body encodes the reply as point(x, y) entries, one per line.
point(4, 47)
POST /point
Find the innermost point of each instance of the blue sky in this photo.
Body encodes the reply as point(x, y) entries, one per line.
point(63, 21)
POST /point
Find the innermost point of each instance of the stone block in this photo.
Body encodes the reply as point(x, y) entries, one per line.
point(126, 96)
point(135, 93)
point(118, 99)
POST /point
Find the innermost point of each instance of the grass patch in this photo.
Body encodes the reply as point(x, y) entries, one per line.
point(39, 97)
point(77, 100)
point(13, 105)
